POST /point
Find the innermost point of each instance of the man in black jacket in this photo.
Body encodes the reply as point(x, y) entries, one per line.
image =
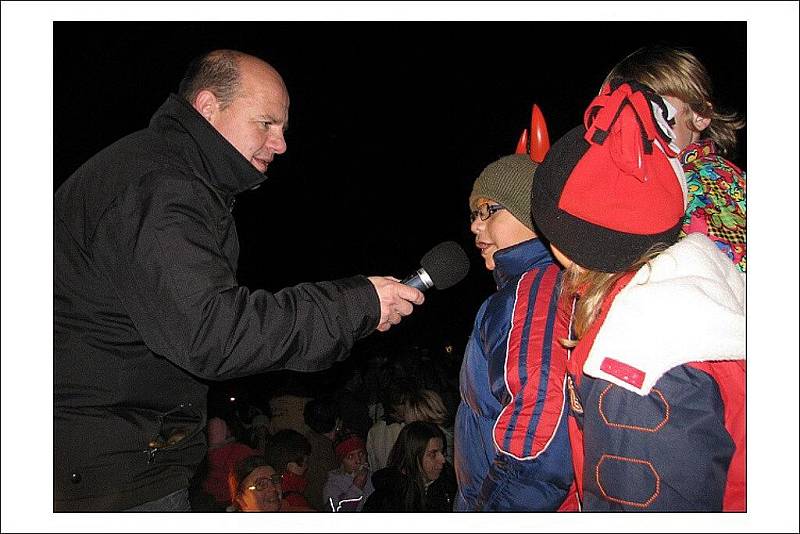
point(146, 296)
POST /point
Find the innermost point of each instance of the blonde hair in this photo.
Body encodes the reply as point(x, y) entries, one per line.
point(590, 289)
point(425, 405)
point(678, 73)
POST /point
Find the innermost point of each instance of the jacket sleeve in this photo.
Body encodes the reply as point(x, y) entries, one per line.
point(170, 264)
point(532, 469)
point(665, 451)
point(341, 495)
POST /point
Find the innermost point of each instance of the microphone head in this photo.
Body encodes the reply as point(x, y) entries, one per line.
point(446, 263)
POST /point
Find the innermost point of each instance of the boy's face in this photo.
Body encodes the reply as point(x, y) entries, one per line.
point(501, 230)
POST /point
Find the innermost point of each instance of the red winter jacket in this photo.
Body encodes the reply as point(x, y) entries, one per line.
point(654, 428)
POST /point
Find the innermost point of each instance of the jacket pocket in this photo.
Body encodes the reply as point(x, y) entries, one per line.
point(175, 430)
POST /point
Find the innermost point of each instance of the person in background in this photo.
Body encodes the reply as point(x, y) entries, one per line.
point(259, 432)
point(224, 452)
point(427, 405)
point(348, 486)
point(288, 452)
point(286, 410)
point(351, 401)
point(257, 487)
point(657, 409)
point(417, 478)
point(321, 418)
point(706, 137)
point(511, 443)
point(146, 299)
point(383, 434)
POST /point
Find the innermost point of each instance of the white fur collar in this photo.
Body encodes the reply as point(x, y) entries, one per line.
point(689, 305)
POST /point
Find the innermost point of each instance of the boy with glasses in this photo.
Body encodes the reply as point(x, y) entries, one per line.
point(511, 443)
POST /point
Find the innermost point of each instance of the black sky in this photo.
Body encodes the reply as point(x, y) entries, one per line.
point(390, 123)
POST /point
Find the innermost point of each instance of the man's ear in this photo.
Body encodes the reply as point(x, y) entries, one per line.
point(207, 105)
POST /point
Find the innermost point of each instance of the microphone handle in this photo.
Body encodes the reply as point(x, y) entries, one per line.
point(420, 280)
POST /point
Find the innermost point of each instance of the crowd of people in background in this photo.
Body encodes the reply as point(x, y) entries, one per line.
point(326, 439)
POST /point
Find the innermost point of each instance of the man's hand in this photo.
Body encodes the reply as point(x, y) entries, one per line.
point(396, 300)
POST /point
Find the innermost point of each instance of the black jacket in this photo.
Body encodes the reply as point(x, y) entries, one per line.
point(395, 492)
point(147, 302)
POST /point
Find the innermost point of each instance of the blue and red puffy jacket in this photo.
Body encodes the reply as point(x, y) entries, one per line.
point(512, 449)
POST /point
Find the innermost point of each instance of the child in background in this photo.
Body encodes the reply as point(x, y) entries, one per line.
point(349, 485)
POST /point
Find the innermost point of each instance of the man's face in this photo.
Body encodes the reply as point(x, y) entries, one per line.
point(260, 493)
point(255, 121)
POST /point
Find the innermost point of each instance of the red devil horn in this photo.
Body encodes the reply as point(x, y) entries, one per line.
point(522, 144)
point(540, 140)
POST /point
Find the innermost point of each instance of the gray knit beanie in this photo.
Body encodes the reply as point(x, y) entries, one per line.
point(507, 181)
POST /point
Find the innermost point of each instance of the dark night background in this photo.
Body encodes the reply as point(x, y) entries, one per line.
point(389, 124)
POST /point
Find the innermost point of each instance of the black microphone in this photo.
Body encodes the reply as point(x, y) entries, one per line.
point(443, 266)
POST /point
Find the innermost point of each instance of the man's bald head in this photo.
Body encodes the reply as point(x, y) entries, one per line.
point(221, 72)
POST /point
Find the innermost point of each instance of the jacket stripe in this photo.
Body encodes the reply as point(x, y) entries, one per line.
point(534, 375)
point(547, 414)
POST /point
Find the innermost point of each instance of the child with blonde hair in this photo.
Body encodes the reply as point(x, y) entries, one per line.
point(657, 410)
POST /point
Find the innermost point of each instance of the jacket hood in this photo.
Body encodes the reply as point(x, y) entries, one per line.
point(511, 262)
point(209, 154)
point(694, 287)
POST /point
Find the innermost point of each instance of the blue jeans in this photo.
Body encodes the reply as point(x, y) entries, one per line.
point(174, 502)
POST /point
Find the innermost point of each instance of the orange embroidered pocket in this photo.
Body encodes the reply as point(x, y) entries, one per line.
point(642, 428)
point(647, 485)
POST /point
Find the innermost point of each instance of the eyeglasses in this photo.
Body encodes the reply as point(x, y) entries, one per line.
point(262, 483)
point(484, 211)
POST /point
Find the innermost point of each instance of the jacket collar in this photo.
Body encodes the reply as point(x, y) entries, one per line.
point(690, 281)
point(700, 149)
point(513, 261)
point(209, 154)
